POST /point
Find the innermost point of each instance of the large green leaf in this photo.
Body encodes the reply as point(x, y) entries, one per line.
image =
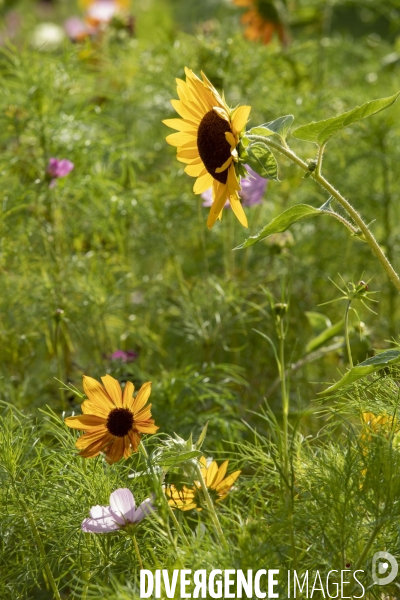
point(283, 222)
point(262, 161)
point(371, 365)
point(321, 339)
point(280, 127)
point(319, 132)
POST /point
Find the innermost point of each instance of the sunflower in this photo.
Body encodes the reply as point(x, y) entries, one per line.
point(188, 498)
point(207, 140)
point(113, 420)
point(262, 20)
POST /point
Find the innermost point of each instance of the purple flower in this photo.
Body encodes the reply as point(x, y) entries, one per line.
point(77, 30)
point(253, 188)
point(59, 167)
point(102, 11)
point(125, 357)
point(121, 513)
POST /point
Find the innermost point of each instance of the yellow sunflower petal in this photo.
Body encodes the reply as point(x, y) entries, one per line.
point(221, 112)
point(230, 138)
point(188, 154)
point(116, 450)
point(88, 438)
point(134, 438)
point(127, 397)
point(221, 193)
point(179, 139)
point(196, 170)
point(113, 389)
point(143, 428)
point(233, 182)
point(97, 447)
point(226, 164)
point(142, 396)
point(203, 183)
point(181, 125)
point(186, 112)
point(237, 208)
point(127, 447)
point(227, 483)
point(221, 473)
point(212, 472)
point(96, 393)
point(95, 408)
point(239, 118)
point(85, 422)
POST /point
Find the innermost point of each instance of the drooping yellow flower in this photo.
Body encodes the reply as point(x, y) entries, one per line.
point(377, 424)
point(188, 498)
point(207, 139)
point(261, 20)
point(113, 421)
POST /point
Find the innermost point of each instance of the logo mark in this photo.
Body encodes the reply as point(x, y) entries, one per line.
point(382, 561)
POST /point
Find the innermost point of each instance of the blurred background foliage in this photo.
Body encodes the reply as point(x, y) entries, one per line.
point(117, 256)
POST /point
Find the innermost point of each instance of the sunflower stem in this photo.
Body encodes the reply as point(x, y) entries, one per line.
point(211, 507)
point(368, 236)
point(346, 333)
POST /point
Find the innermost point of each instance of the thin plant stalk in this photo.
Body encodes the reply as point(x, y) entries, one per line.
point(157, 485)
point(285, 398)
point(210, 506)
point(39, 543)
point(137, 552)
point(346, 333)
point(351, 211)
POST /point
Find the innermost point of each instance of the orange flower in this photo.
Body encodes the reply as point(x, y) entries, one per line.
point(113, 421)
point(262, 20)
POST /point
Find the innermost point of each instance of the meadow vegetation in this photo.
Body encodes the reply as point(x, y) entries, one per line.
point(117, 256)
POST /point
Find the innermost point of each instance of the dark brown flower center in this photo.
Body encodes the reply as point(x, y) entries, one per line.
point(119, 422)
point(213, 148)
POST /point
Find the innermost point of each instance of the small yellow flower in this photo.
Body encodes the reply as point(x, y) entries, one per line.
point(377, 423)
point(188, 498)
point(207, 139)
point(113, 421)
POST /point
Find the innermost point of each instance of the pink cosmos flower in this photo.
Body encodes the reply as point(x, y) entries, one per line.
point(125, 357)
point(121, 513)
point(77, 30)
point(253, 188)
point(58, 168)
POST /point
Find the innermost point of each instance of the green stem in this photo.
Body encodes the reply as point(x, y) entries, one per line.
point(354, 214)
point(346, 333)
point(367, 546)
point(211, 507)
point(285, 418)
point(137, 552)
point(42, 552)
point(285, 399)
point(158, 485)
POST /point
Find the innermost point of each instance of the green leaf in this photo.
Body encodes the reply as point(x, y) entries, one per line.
point(279, 127)
point(371, 365)
point(262, 161)
point(282, 222)
point(169, 459)
point(324, 336)
point(319, 132)
point(318, 321)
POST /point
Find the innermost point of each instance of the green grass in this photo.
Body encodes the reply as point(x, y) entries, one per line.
point(118, 256)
